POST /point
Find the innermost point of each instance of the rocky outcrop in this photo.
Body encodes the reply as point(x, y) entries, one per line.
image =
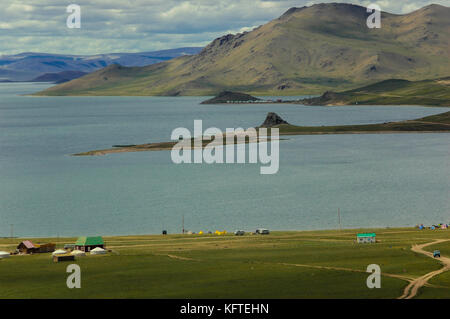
point(327, 98)
point(230, 97)
point(273, 119)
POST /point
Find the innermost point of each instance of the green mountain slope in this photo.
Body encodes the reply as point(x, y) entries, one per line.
point(390, 92)
point(306, 50)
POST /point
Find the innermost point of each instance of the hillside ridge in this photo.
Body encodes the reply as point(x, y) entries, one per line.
point(306, 50)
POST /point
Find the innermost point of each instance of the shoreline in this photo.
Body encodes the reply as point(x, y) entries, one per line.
point(153, 146)
point(439, 123)
point(205, 235)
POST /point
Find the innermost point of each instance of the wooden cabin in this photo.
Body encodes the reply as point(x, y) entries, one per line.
point(28, 247)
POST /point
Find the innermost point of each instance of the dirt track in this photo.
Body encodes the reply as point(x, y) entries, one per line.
point(407, 278)
point(414, 286)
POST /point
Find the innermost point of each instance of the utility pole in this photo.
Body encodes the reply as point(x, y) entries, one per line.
point(339, 218)
point(183, 224)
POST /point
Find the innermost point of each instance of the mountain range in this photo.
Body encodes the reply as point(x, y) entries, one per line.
point(30, 65)
point(306, 50)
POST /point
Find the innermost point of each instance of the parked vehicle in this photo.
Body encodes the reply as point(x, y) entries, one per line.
point(262, 231)
point(239, 232)
point(437, 254)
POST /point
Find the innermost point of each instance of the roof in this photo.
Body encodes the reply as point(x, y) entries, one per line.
point(89, 241)
point(28, 244)
point(366, 235)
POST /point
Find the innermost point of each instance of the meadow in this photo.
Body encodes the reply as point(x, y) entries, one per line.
point(307, 264)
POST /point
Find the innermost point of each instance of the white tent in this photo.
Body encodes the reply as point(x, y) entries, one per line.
point(78, 253)
point(59, 252)
point(98, 251)
point(4, 254)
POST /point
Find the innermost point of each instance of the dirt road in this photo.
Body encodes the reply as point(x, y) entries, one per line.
point(414, 286)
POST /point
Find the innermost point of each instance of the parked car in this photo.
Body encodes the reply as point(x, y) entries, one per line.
point(262, 231)
point(437, 254)
point(239, 232)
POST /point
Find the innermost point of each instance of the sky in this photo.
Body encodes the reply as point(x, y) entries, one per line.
point(144, 25)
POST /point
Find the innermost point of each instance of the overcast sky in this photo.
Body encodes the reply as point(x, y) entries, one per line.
point(143, 25)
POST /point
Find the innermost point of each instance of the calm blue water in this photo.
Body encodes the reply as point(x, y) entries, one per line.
point(376, 180)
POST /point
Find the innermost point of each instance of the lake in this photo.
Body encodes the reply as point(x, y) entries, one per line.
point(376, 180)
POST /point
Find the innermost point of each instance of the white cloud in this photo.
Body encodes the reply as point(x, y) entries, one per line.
point(409, 7)
point(144, 25)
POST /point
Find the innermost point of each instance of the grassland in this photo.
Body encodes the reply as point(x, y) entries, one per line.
point(279, 265)
point(391, 92)
point(434, 123)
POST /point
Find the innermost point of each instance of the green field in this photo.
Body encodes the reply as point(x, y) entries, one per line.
point(435, 123)
point(390, 92)
point(279, 265)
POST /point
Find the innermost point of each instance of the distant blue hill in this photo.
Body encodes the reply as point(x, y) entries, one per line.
point(59, 77)
point(30, 65)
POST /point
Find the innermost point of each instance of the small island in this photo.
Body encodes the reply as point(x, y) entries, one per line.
point(231, 97)
point(439, 123)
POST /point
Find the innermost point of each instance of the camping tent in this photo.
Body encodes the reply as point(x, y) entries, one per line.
point(59, 252)
point(98, 251)
point(78, 253)
point(4, 254)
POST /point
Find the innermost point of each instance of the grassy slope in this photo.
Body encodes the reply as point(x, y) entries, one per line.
point(227, 267)
point(326, 46)
point(443, 280)
point(434, 123)
point(392, 92)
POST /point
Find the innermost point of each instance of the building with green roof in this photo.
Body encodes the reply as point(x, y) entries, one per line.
point(88, 243)
point(366, 238)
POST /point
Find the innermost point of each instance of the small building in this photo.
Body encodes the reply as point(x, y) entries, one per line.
point(4, 254)
point(98, 251)
point(46, 248)
point(78, 253)
point(27, 247)
point(69, 247)
point(366, 238)
point(58, 258)
point(59, 252)
point(86, 244)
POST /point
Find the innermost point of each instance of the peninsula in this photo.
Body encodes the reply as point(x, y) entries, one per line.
point(439, 123)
